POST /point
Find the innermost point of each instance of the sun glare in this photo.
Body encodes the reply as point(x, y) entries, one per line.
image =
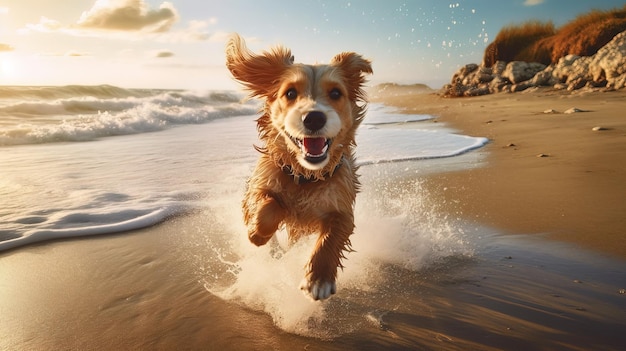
point(6, 68)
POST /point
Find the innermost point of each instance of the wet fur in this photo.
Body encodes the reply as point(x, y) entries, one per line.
point(323, 204)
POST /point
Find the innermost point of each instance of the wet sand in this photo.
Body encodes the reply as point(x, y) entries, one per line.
point(558, 284)
point(143, 291)
point(546, 172)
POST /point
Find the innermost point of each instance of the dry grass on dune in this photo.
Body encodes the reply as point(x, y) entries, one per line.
point(536, 41)
point(516, 42)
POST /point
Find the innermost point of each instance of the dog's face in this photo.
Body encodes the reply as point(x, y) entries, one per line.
point(312, 108)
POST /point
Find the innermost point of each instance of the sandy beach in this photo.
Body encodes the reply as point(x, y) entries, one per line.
point(548, 171)
point(548, 273)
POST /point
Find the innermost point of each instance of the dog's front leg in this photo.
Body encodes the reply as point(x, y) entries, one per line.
point(263, 214)
point(334, 239)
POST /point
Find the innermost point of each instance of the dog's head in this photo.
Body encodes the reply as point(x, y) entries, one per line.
point(311, 112)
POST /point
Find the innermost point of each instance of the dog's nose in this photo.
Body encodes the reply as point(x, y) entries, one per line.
point(314, 120)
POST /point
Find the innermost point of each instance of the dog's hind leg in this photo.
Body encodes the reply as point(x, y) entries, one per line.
point(263, 214)
point(321, 271)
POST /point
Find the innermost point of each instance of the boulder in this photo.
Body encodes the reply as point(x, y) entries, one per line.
point(610, 62)
point(519, 71)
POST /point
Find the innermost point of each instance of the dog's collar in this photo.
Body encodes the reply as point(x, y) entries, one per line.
point(302, 179)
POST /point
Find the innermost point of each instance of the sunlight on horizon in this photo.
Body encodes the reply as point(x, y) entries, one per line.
point(8, 68)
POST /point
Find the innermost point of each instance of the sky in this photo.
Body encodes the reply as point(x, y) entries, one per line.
point(179, 44)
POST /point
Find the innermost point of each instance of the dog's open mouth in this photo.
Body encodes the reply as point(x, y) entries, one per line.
point(314, 149)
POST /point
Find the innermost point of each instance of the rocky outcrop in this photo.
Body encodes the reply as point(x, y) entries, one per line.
point(605, 69)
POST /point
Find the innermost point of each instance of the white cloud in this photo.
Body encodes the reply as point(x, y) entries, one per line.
point(128, 15)
point(533, 2)
point(129, 20)
point(195, 31)
point(45, 25)
point(4, 10)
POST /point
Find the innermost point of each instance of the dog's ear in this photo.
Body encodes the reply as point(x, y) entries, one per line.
point(260, 74)
point(354, 67)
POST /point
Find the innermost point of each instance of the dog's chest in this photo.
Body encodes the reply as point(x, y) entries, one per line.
point(318, 198)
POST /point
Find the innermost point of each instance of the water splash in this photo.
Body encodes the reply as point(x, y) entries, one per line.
point(397, 228)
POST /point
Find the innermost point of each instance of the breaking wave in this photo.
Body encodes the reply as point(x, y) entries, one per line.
point(36, 115)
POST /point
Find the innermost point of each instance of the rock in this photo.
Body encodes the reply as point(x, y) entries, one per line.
point(543, 78)
point(573, 110)
point(498, 68)
point(485, 78)
point(469, 68)
point(559, 86)
point(550, 111)
point(564, 68)
point(476, 91)
point(543, 155)
point(519, 71)
point(605, 69)
point(610, 62)
point(520, 87)
point(497, 84)
point(598, 129)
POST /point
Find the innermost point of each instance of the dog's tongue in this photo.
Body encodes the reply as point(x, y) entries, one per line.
point(314, 146)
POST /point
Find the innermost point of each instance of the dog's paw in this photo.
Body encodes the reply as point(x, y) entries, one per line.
point(259, 240)
point(318, 290)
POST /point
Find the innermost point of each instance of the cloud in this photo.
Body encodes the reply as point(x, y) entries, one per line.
point(533, 2)
point(74, 53)
point(163, 54)
point(71, 53)
point(5, 47)
point(128, 15)
point(4, 10)
point(129, 20)
point(45, 25)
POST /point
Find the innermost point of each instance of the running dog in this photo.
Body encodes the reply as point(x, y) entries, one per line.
point(306, 177)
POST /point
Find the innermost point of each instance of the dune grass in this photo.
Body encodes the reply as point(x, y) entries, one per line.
point(536, 41)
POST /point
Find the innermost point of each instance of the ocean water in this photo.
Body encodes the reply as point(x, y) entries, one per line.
point(86, 160)
point(82, 161)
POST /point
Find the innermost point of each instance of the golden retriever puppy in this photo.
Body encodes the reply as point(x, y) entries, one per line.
point(306, 177)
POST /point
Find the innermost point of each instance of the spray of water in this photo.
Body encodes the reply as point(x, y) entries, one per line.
point(396, 226)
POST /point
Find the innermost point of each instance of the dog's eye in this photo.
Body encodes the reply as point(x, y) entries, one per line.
point(334, 94)
point(291, 94)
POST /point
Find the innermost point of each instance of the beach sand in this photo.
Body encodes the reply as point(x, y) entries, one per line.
point(555, 285)
point(546, 172)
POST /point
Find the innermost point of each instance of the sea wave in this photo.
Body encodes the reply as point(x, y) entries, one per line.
point(68, 91)
point(77, 113)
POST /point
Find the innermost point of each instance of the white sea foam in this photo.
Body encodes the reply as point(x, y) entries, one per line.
point(381, 114)
point(111, 223)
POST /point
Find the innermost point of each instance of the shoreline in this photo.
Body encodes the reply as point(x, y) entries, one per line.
point(545, 173)
point(162, 287)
